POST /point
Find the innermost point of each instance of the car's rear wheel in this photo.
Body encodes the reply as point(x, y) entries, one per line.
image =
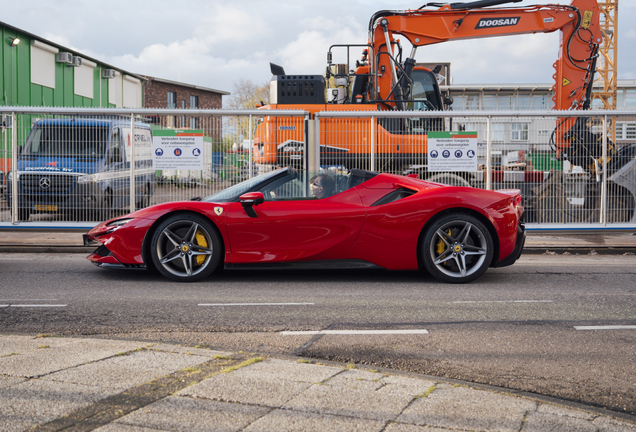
point(457, 248)
point(185, 248)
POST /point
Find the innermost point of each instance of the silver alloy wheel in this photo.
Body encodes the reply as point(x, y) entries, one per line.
point(464, 248)
point(178, 248)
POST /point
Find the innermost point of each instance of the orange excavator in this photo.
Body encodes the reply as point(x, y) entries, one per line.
point(385, 80)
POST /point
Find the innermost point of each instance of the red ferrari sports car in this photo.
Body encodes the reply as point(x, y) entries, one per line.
point(289, 219)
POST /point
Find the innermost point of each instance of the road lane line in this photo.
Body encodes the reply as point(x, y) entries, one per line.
point(353, 332)
point(37, 305)
point(606, 327)
point(254, 304)
point(12, 300)
point(507, 301)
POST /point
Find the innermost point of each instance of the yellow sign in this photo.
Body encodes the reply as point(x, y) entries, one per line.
point(218, 210)
point(587, 19)
point(45, 207)
point(566, 82)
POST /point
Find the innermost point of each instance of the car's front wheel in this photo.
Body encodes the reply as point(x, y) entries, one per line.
point(185, 248)
point(457, 248)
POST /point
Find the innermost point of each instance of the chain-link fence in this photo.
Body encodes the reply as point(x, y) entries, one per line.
point(85, 165)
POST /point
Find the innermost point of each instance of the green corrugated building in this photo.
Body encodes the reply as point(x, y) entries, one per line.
point(37, 72)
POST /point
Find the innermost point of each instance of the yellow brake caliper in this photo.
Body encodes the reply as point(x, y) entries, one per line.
point(203, 243)
point(441, 246)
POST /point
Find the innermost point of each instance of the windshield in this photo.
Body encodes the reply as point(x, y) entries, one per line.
point(66, 141)
point(233, 192)
point(423, 92)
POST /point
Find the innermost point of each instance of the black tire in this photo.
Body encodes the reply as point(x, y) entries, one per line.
point(177, 244)
point(457, 248)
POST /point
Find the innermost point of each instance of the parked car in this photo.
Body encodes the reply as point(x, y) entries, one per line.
point(82, 166)
point(274, 221)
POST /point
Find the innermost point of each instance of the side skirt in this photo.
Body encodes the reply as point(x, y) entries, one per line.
point(306, 265)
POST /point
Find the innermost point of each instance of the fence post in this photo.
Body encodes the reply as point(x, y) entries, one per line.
point(372, 143)
point(488, 155)
point(251, 149)
point(603, 218)
point(132, 163)
point(14, 169)
point(312, 143)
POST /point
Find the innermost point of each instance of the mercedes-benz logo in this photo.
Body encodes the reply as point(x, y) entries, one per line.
point(45, 182)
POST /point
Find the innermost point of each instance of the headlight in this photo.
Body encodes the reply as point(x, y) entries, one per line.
point(118, 222)
point(10, 175)
point(91, 178)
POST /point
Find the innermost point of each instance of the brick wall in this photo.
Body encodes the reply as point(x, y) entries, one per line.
point(156, 96)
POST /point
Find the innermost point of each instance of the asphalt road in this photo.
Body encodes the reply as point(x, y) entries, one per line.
point(515, 327)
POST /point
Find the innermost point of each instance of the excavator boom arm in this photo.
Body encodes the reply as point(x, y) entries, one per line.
point(574, 69)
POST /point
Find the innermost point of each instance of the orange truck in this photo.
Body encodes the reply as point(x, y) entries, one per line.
point(384, 80)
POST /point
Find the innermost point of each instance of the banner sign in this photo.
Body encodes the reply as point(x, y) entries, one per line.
point(452, 151)
point(177, 149)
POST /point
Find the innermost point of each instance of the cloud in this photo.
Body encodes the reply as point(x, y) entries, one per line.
point(221, 23)
point(214, 43)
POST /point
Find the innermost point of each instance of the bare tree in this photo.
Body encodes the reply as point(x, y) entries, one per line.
point(247, 95)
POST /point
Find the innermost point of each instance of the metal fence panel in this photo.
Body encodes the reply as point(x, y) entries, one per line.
point(515, 151)
point(90, 165)
point(81, 165)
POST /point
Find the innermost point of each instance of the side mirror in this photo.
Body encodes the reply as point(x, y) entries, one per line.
point(448, 100)
point(252, 198)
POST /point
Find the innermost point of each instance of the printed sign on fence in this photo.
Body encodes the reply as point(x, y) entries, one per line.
point(177, 149)
point(452, 151)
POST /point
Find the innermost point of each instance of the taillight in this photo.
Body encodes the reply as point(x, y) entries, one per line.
point(517, 201)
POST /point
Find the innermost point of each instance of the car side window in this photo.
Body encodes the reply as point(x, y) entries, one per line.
point(288, 188)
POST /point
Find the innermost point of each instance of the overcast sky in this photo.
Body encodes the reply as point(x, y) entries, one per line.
point(214, 43)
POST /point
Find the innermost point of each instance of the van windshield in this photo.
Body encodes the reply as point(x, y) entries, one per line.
point(67, 141)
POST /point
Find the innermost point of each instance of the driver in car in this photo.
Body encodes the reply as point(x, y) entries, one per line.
point(322, 185)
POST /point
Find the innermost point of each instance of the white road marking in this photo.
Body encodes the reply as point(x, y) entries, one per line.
point(607, 327)
point(353, 332)
point(35, 305)
point(254, 304)
point(12, 300)
point(507, 301)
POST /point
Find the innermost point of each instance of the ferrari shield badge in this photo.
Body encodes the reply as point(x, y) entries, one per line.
point(218, 210)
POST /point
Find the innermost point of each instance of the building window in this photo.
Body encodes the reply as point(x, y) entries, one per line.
point(194, 123)
point(458, 102)
point(497, 132)
point(520, 131)
point(490, 102)
point(172, 100)
point(504, 102)
point(540, 102)
point(625, 131)
point(472, 102)
point(43, 64)
point(194, 102)
point(630, 98)
point(523, 102)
